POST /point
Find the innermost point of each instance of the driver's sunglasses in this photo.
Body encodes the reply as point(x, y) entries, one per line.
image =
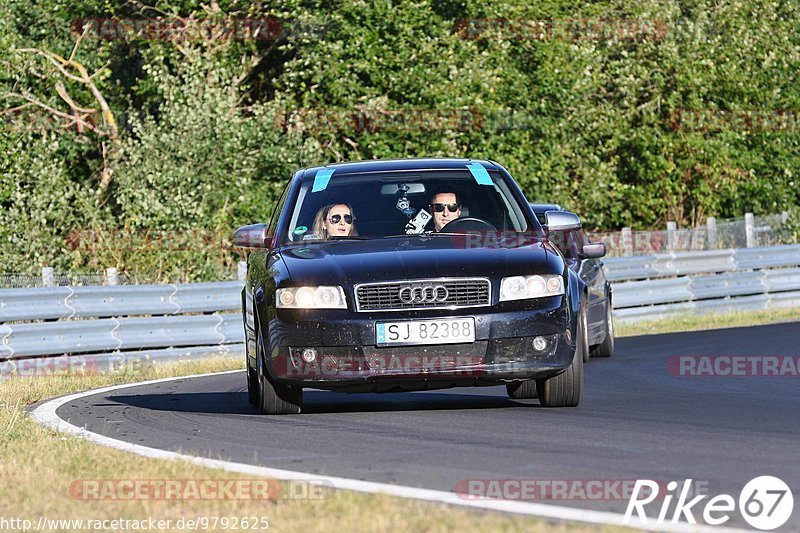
point(348, 219)
point(438, 208)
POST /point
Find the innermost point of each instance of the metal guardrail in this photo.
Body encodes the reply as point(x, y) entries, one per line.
point(686, 288)
point(648, 292)
point(757, 302)
point(101, 327)
point(680, 264)
point(705, 282)
point(99, 301)
point(85, 336)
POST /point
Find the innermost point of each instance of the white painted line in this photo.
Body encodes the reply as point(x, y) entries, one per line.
point(45, 414)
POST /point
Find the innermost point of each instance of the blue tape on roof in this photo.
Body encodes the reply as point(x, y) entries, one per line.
point(479, 173)
point(321, 179)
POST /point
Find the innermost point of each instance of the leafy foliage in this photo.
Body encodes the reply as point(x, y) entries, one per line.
point(594, 121)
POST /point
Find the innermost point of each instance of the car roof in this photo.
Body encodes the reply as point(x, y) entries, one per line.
point(388, 165)
point(543, 208)
point(540, 209)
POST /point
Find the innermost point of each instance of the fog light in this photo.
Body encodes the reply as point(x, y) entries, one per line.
point(309, 355)
point(539, 344)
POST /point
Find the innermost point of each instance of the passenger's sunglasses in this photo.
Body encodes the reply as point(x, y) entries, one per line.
point(438, 208)
point(334, 219)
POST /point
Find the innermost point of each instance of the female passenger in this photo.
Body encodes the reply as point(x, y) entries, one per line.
point(335, 220)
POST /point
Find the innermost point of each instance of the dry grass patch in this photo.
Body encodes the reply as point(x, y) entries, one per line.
point(691, 322)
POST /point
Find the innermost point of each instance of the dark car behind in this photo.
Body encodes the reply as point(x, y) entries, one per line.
point(584, 258)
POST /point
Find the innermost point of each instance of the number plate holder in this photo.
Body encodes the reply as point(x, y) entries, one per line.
point(425, 332)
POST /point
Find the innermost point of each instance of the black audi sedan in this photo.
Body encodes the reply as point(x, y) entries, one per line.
point(405, 275)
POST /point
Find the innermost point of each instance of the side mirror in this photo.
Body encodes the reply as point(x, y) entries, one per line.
point(594, 250)
point(561, 221)
point(252, 236)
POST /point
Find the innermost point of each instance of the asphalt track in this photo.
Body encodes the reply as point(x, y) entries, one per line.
point(637, 421)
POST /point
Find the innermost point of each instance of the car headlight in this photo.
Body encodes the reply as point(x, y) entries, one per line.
point(322, 297)
point(522, 287)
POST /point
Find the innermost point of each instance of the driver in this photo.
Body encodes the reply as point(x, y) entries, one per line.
point(445, 208)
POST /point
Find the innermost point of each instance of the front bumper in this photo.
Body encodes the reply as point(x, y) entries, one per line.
point(348, 358)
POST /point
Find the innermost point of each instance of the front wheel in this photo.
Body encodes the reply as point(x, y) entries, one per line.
point(253, 390)
point(274, 398)
point(565, 389)
point(525, 390)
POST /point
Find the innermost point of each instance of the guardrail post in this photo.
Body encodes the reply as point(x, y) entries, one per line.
point(627, 242)
point(111, 276)
point(48, 277)
point(749, 229)
point(711, 225)
point(672, 236)
point(242, 273)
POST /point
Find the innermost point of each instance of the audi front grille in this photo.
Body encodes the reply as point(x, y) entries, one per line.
point(441, 293)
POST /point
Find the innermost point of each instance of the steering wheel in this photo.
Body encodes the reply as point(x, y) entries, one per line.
point(466, 225)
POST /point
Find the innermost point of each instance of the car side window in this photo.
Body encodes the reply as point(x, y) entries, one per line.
point(583, 238)
point(276, 213)
point(574, 244)
point(569, 242)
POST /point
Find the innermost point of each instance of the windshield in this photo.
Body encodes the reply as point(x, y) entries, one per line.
point(391, 204)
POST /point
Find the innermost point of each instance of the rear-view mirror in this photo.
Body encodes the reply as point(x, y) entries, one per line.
point(561, 221)
point(594, 250)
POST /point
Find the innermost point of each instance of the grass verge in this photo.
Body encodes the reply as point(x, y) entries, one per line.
point(693, 322)
point(39, 466)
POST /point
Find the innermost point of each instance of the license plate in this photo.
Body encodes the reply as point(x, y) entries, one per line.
point(439, 331)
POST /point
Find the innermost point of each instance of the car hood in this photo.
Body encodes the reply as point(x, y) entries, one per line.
point(349, 262)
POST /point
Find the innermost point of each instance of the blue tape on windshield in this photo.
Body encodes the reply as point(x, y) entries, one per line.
point(479, 173)
point(321, 179)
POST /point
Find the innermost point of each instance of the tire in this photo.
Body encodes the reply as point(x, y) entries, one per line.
point(606, 348)
point(274, 398)
point(252, 374)
point(565, 389)
point(524, 390)
point(253, 386)
point(583, 335)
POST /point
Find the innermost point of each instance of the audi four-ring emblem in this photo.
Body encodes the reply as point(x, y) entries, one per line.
point(423, 294)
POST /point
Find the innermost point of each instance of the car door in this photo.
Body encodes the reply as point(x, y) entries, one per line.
point(256, 260)
point(591, 272)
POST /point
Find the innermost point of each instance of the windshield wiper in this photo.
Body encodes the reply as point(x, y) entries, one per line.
point(427, 234)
